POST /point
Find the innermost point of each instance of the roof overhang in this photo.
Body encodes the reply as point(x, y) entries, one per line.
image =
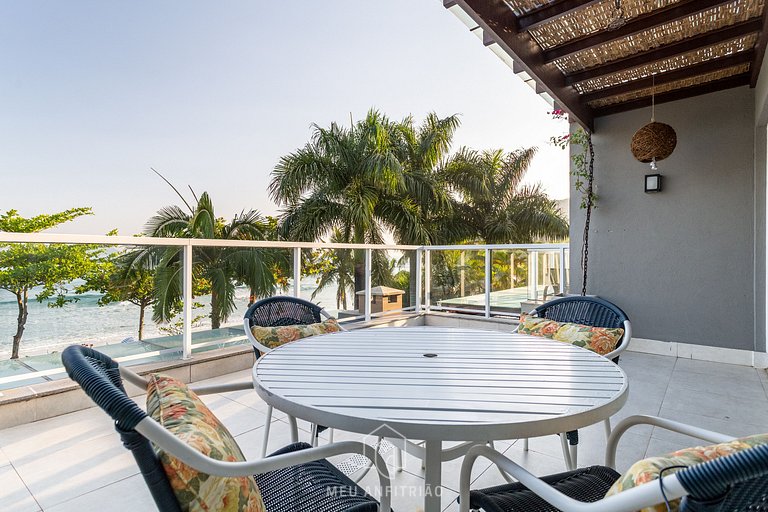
point(572, 54)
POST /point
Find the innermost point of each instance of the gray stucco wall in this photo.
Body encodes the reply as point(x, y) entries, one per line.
point(681, 263)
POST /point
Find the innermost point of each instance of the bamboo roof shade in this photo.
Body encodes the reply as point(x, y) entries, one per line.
point(591, 60)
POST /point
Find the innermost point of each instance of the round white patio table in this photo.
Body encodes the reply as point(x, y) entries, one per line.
point(440, 384)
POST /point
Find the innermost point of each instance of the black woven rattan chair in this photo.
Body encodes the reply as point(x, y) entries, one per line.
point(278, 312)
point(736, 483)
point(595, 312)
point(296, 478)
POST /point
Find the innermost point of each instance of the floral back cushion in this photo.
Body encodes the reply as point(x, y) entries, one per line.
point(273, 337)
point(647, 470)
point(536, 326)
point(597, 339)
point(172, 404)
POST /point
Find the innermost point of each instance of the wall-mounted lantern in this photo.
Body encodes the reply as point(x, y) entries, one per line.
point(653, 183)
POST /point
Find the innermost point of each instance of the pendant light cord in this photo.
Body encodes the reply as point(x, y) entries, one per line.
point(653, 98)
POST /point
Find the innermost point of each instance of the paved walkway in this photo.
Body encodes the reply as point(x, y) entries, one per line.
point(76, 462)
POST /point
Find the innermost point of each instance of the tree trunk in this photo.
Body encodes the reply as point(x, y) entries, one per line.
point(215, 320)
point(359, 284)
point(413, 285)
point(142, 309)
point(21, 320)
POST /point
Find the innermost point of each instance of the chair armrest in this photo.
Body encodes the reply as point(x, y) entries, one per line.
point(327, 316)
point(674, 426)
point(156, 433)
point(624, 341)
point(254, 342)
point(222, 388)
point(628, 501)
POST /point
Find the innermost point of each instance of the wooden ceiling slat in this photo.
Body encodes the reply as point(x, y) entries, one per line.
point(642, 23)
point(678, 94)
point(672, 76)
point(550, 12)
point(759, 50)
point(658, 54)
point(497, 19)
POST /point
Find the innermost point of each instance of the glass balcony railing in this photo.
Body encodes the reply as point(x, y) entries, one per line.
point(354, 282)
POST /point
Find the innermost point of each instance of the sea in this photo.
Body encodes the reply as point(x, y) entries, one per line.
point(85, 321)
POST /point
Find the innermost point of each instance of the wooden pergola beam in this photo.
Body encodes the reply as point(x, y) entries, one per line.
point(672, 76)
point(671, 50)
point(678, 94)
point(639, 24)
point(550, 12)
point(496, 19)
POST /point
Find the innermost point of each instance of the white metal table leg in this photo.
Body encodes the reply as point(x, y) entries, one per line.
point(267, 425)
point(607, 425)
point(566, 452)
point(432, 476)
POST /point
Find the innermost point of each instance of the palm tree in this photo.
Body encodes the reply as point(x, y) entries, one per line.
point(216, 270)
point(338, 181)
point(495, 204)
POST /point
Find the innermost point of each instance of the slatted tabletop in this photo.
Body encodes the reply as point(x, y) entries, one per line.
point(441, 383)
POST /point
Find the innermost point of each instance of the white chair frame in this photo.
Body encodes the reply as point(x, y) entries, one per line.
point(630, 500)
point(161, 437)
point(570, 452)
point(268, 422)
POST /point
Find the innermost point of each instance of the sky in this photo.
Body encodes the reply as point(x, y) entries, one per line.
point(94, 93)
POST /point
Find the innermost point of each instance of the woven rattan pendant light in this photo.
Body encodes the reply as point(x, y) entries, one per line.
point(654, 141)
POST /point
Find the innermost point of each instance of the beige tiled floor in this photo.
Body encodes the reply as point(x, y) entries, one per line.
point(76, 462)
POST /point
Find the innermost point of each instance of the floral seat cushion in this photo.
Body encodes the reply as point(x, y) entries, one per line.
point(597, 339)
point(172, 404)
point(647, 470)
point(273, 337)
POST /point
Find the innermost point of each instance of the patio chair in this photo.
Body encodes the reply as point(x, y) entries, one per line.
point(733, 483)
point(594, 312)
point(296, 478)
point(281, 311)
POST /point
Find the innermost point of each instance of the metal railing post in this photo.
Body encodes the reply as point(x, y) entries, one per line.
point(368, 285)
point(186, 273)
point(419, 253)
point(562, 271)
point(427, 279)
point(487, 283)
point(297, 272)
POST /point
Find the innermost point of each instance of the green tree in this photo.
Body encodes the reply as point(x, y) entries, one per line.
point(416, 214)
point(495, 204)
point(216, 270)
point(339, 181)
point(26, 266)
point(119, 279)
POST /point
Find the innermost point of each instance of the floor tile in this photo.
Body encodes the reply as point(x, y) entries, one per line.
point(59, 476)
point(96, 500)
point(14, 494)
point(237, 418)
point(724, 426)
point(27, 442)
point(732, 409)
point(747, 385)
point(712, 368)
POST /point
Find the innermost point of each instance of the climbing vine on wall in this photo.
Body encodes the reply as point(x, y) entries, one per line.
point(583, 172)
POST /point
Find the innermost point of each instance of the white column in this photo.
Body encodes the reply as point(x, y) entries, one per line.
point(418, 257)
point(186, 290)
point(297, 271)
point(368, 285)
point(427, 279)
point(488, 283)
